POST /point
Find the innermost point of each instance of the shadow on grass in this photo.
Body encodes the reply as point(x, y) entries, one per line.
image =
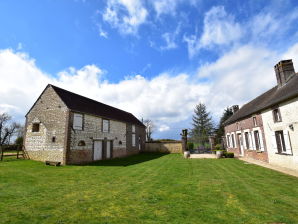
point(127, 161)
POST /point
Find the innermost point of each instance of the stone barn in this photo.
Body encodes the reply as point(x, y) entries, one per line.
point(69, 128)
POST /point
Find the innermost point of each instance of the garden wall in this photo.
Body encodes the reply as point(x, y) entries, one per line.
point(164, 146)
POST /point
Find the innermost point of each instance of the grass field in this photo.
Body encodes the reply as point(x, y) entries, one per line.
point(147, 188)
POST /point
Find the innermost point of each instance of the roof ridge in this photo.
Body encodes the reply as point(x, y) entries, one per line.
point(87, 98)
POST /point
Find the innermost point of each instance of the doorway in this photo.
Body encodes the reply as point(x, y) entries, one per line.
point(241, 152)
point(97, 153)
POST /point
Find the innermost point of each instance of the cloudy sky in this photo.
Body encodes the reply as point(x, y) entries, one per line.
point(155, 58)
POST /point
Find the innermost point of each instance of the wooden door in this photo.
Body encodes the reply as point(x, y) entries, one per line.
point(108, 155)
point(97, 152)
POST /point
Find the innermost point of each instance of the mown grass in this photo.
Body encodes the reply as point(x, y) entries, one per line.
point(147, 188)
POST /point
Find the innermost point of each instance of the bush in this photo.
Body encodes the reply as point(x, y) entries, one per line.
point(190, 145)
point(218, 147)
point(229, 154)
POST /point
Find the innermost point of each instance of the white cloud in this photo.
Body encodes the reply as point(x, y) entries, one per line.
point(163, 128)
point(125, 15)
point(165, 99)
point(242, 74)
point(168, 99)
point(170, 39)
point(102, 33)
point(165, 7)
point(220, 28)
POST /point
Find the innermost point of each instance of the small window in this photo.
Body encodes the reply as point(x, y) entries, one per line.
point(276, 115)
point(228, 141)
point(105, 125)
point(53, 139)
point(257, 139)
point(35, 127)
point(133, 140)
point(238, 126)
point(280, 142)
point(133, 129)
point(78, 121)
point(82, 143)
point(233, 141)
point(255, 121)
point(246, 140)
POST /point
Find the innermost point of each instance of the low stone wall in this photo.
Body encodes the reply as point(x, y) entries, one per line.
point(45, 155)
point(164, 147)
point(80, 156)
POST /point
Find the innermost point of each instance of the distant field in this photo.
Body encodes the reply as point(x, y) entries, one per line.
point(147, 188)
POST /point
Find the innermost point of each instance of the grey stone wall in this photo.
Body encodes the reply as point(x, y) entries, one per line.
point(140, 137)
point(50, 112)
point(92, 130)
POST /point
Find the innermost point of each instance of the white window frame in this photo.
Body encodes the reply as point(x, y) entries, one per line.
point(105, 125)
point(133, 128)
point(133, 139)
point(261, 143)
point(78, 120)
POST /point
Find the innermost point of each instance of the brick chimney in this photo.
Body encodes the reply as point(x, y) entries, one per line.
point(284, 70)
point(235, 108)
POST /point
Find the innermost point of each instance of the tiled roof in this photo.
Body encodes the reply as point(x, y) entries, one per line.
point(268, 99)
point(83, 104)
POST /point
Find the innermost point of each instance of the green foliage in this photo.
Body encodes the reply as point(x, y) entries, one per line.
point(190, 145)
point(218, 147)
point(202, 125)
point(19, 141)
point(220, 131)
point(228, 154)
point(146, 188)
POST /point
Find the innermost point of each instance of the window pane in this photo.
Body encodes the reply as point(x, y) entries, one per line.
point(78, 121)
point(35, 127)
point(133, 139)
point(105, 125)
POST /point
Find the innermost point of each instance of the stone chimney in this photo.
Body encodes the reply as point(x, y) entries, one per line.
point(284, 70)
point(235, 108)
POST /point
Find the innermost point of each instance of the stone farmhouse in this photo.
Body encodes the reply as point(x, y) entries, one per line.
point(266, 128)
point(65, 127)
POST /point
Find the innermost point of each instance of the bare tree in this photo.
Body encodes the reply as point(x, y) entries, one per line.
point(7, 128)
point(150, 127)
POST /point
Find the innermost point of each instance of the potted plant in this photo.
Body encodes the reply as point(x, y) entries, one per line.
point(218, 150)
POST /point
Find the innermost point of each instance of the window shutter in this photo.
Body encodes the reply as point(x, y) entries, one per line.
point(244, 140)
point(231, 143)
point(105, 125)
point(261, 141)
point(235, 143)
point(250, 140)
point(133, 128)
point(78, 121)
point(253, 141)
point(273, 141)
point(133, 139)
point(287, 141)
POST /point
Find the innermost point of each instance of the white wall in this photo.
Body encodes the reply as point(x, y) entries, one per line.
point(289, 115)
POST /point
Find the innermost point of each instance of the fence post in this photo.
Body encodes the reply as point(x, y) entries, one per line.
point(1, 151)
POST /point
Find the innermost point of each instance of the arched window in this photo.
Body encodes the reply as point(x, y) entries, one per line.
point(81, 143)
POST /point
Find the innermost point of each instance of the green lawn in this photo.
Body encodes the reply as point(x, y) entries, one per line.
point(147, 188)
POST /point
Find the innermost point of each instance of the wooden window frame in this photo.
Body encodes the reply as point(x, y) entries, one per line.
point(280, 142)
point(254, 121)
point(276, 115)
point(34, 129)
point(83, 118)
point(246, 138)
point(109, 125)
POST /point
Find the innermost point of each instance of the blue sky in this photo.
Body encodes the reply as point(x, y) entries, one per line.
point(156, 59)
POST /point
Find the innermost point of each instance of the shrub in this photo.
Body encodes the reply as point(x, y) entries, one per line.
point(229, 154)
point(218, 147)
point(190, 145)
